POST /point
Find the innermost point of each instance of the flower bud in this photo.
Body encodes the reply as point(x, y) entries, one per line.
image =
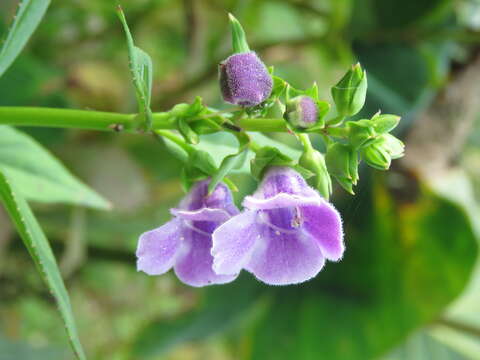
point(301, 112)
point(380, 153)
point(244, 80)
point(342, 163)
point(313, 161)
point(350, 92)
point(376, 156)
point(394, 146)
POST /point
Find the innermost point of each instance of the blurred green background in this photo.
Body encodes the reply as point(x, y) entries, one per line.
point(409, 285)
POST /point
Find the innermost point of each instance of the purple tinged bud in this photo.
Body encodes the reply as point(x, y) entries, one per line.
point(244, 80)
point(302, 112)
point(283, 236)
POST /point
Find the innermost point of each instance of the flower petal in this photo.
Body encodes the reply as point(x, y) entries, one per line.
point(324, 224)
point(157, 249)
point(282, 187)
point(285, 258)
point(280, 200)
point(233, 243)
point(194, 262)
point(204, 214)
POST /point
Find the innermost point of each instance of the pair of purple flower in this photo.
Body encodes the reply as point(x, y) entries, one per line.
point(283, 236)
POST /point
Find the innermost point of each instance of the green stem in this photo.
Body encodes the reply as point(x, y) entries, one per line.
point(305, 140)
point(78, 119)
point(107, 121)
point(252, 145)
point(175, 139)
point(339, 132)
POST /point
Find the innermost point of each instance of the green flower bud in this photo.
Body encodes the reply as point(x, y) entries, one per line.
point(380, 153)
point(301, 112)
point(394, 146)
point(342, 163)
point(376, 156)
point(313, 161)
point(361, 133)
point(350, 92)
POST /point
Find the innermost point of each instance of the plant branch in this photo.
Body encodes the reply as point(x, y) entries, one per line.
point(106, 121)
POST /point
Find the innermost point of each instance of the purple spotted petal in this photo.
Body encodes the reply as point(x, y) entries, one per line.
point(233, 243)
point(280, 200)
point(194, 263)
point(284, 236)
point(285, 258)
point(282, 187)
point(185, 241)
point(244, 80)
point(274, 255)
point(324, 224)
point(157, 249)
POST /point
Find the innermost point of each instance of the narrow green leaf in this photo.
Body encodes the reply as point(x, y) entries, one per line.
point(239, 39)
point(42, 255)
point(142, 72)
point(29, 15)
point(39, 176)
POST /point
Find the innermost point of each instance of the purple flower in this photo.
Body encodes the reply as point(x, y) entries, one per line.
point(284, 235)
point(244, 80)
point(184, 242)
point(302, 112)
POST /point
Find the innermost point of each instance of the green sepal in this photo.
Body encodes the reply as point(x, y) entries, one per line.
point(350, 92)
point(314, 161)
point(385, 123)
point(342, 164)
point(239, 39)
point(271, 156)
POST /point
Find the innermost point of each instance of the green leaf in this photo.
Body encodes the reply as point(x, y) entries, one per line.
point(24, 351)
point(142, 73)
point(39, 176)
point(42, 255)
point(230, 162)
point(29, 15)
point(239, 39)
point(388, 284)
point(217, 314)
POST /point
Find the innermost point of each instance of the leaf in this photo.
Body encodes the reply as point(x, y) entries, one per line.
point(230, 162)
point(39, 176)
point(24, 351)
point(42, 255)
point(217, 314)
point(141, 68)
point(29, 15)
point(239, 40)
point(404, 264)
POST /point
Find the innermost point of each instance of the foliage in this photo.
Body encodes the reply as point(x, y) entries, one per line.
point(410, 246)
